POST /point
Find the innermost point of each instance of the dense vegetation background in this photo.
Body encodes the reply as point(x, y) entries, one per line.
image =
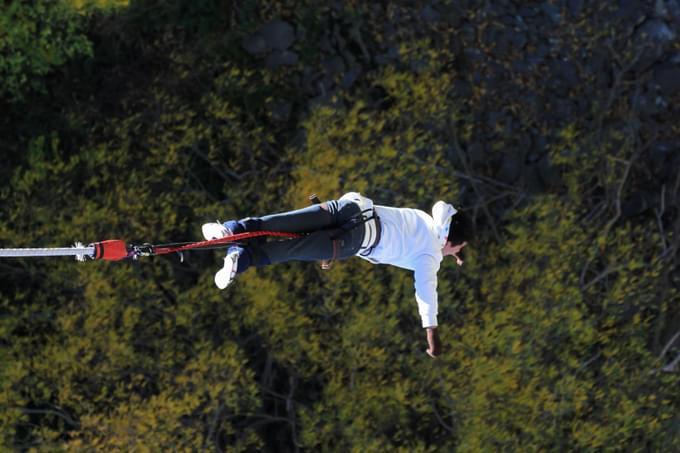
point(554, 123)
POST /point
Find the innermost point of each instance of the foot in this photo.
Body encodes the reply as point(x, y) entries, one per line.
point(215, 230)
point(226, 275)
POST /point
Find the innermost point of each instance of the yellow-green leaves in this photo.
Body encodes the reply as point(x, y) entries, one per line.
point(36, 38)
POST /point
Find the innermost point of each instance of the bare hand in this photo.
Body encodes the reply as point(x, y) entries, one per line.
point(433, 342)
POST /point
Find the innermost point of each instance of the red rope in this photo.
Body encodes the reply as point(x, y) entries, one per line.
point(224, 240)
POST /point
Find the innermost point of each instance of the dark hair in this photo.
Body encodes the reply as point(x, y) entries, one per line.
point(461, 229)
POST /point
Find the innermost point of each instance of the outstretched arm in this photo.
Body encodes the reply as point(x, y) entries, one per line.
point(433, 342)
point(425, 273)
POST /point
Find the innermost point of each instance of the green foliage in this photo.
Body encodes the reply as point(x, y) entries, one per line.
point(36, 38)
point(397, 144)
point(558, 330)
point(537, 372)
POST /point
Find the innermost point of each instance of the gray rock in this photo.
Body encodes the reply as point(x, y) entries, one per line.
point(325, 44)
point(281, 58)
point(523, 140)
point(462, 88)
point(649, 104)
point(476, 153)
point(537, 57)
point(493, 36)
point(635, 205)
point(390, 54)
point(631, 11)
point(667, 10)
point(655, 31)
point(553, 12)
point(278, 35)
point(350, 77)
point(520, 67)
point(329, 99)
point(565, 75)
point(280, 111)
point(453, 17)
point(653, 38)
point(468, 35)
point(575, 7)
point(599, 67)
point(532, 179)
point(540, 142)
point(334, 66)
point(659, 154)
point(548, 173)
point(429, 14)
point(661, 10)
point(527, 11)
point(667, 79)
point(517, 40)
point(495, 118)
point(511, 167)
point(471, 57)
point(419, 65)
point(532, 157)
point(673, 7)
point(254, 44)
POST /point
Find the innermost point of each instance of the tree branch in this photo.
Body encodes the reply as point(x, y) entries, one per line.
point(669, 344)
point(225, 174)
point(55, 412)
point(440, 419)
point(459, 151)
point(290, 408)
point(213, 427)
point(672, 367)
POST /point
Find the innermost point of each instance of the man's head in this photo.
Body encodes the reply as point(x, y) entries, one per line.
point(460, 230)
point(460, 233)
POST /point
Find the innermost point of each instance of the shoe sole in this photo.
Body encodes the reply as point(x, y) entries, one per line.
point(225, 275)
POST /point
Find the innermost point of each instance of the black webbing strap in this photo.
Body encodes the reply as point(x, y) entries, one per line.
point(325, 264)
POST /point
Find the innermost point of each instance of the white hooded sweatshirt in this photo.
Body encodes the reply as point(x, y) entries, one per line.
point(413, 240)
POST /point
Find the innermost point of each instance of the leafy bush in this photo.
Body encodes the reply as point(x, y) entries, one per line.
point(35, 39)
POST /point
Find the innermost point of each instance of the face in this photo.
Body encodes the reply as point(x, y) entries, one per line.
point(454, 250)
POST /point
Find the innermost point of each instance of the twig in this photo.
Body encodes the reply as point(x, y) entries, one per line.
point(476, 178)
point(458, 149)
point(439, 418)
point(614, 91)
point(670, 368)
point(595, 212)
point(55, 412)
point(213, 425)
point(669, 344)
point(602, 275)
point(619, 193)
point(225, 174)
point(585, 364)
point(355, 34)
point(290, 408)
point(485, 179)
point(659, 213)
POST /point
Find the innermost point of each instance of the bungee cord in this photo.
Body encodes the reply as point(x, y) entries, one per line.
point(117, 250)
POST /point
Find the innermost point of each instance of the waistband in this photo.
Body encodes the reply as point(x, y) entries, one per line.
point(372, 233)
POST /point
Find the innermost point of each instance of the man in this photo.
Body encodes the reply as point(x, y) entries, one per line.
point(353, 226)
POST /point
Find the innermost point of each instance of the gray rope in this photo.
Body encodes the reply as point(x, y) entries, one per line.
point(79, 251)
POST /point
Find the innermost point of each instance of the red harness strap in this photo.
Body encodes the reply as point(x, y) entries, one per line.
point(116, 250)
point(111, 250)
point(224, 240)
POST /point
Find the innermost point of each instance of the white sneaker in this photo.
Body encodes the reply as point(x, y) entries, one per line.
point(215, 230)
point(226, 275)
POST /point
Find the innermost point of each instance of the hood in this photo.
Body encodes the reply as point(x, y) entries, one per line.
point(442, 213)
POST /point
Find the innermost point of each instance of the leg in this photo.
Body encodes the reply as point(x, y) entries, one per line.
point(313, 218)
point(323, 244)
